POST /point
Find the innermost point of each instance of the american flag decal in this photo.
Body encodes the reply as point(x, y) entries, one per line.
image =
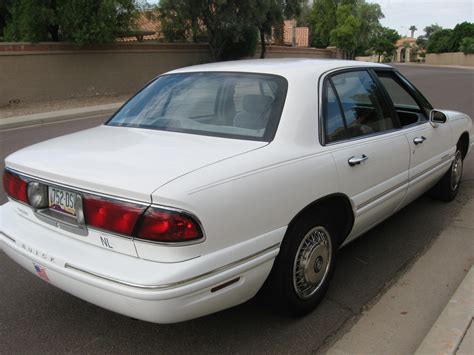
point(41, 271)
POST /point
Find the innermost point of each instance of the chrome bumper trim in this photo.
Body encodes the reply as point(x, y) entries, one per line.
point(179, 283)
point(8, 237)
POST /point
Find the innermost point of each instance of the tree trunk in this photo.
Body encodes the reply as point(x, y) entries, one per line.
point(378, 60)
point(263, 51)
point(54, 31)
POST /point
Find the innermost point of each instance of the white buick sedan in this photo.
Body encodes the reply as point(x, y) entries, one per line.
point(218, 181)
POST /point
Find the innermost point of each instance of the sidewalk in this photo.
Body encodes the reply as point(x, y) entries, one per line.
point(423, 310)
point(58, 116)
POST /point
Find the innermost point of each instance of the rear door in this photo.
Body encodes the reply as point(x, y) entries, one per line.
point(429, 146)
point(370, 152)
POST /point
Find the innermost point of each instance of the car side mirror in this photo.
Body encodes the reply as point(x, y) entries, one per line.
point(437, 117)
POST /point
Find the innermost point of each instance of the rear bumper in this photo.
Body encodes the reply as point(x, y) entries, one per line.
point(142, 289)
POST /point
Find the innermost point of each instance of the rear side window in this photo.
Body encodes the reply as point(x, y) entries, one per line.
point(334, 128)
point(353, 107)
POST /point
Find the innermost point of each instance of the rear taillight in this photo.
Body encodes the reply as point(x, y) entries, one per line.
point(168, 226)
point(15, 187)
point(114, 216)
point(125, 218)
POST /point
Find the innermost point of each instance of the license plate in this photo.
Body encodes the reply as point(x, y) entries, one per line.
point(62, 200)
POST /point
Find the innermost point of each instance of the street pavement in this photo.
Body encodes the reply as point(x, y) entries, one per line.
point(36, 317)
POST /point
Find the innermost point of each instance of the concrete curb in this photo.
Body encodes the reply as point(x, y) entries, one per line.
point(399, 321)
point(58, 116)
point(432, 66)
point(448, 332)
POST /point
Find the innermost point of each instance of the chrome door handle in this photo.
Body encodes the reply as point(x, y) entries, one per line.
point(357, 160)
point(419, 140)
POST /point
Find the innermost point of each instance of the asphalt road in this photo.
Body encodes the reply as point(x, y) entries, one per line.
point(36, 317)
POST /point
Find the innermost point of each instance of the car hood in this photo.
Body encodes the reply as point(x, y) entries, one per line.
point(125, 162)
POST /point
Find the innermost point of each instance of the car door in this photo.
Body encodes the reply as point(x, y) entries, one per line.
point(430, 150)
point(370, 152)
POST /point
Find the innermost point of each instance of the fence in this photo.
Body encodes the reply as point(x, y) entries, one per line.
point(455, 58)
point(36, 72)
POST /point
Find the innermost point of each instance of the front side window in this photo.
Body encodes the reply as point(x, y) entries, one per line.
point(233, 105)
point(409, 112)
point(353, 98)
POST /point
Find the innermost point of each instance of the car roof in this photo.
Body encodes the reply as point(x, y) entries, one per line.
point(282, 66)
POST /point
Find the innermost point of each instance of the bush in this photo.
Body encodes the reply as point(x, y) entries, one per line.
point(78, 21)
point(440, 42)
point(461, 31)
point(238, 42)
point(467, 45)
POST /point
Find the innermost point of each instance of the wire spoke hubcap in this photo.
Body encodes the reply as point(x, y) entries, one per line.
point(312, 262)
point(456, 171)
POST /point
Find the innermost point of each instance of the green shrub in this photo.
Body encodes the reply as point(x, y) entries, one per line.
point(467, 45)
point(440, 42)
point(238, 42)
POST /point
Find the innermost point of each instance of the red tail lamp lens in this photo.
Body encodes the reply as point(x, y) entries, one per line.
point(115, 216)
point(15, 187)
point(168, 226)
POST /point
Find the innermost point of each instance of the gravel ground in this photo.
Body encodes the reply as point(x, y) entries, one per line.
point(27, 108)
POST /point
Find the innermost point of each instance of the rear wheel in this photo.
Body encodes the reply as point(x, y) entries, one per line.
point(448, 187)
point(301, 273)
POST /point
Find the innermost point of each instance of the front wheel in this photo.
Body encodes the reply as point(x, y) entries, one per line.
point(448, 187)
point(301, 273)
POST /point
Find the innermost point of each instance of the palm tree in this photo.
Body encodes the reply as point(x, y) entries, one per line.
point(412, 28)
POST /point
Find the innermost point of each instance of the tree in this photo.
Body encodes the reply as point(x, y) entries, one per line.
point(28, 21)
point(268, 16)
point(383, 42)
point(78, 21)
point(369, 15)
point(87, 22)
point(345, 35)
point(429, 30)
point(334, 22)
point(4, 15)
point(422, 41)
point(356, 22)
point(322, 19)
point(179, 20)
point(467, 45)
point(412, 29)
point(440, 41)
point(230, 25)
point(461, 31)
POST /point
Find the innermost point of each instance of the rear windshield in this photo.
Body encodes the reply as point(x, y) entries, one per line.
point(232, 105)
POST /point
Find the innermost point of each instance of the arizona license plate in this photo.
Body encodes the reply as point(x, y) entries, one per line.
point(62, 200)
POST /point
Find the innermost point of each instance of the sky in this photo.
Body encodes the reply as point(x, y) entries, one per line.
point(401, 14)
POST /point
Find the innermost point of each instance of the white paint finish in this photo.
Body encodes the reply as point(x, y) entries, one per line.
point(367, 184)
point(125, 267)
point(125, 162)
point(184, 303)
point(245, 193)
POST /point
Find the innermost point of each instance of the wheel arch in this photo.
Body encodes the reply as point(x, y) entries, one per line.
point(334, 203)
point(463, 143)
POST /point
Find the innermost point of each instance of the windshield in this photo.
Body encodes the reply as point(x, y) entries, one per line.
point(233, 105)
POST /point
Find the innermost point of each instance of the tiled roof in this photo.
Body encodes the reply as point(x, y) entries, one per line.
point(148, 23)
point(405, 39)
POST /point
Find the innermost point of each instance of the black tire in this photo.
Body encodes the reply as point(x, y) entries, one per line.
point(280, 290)
point(447, 188)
